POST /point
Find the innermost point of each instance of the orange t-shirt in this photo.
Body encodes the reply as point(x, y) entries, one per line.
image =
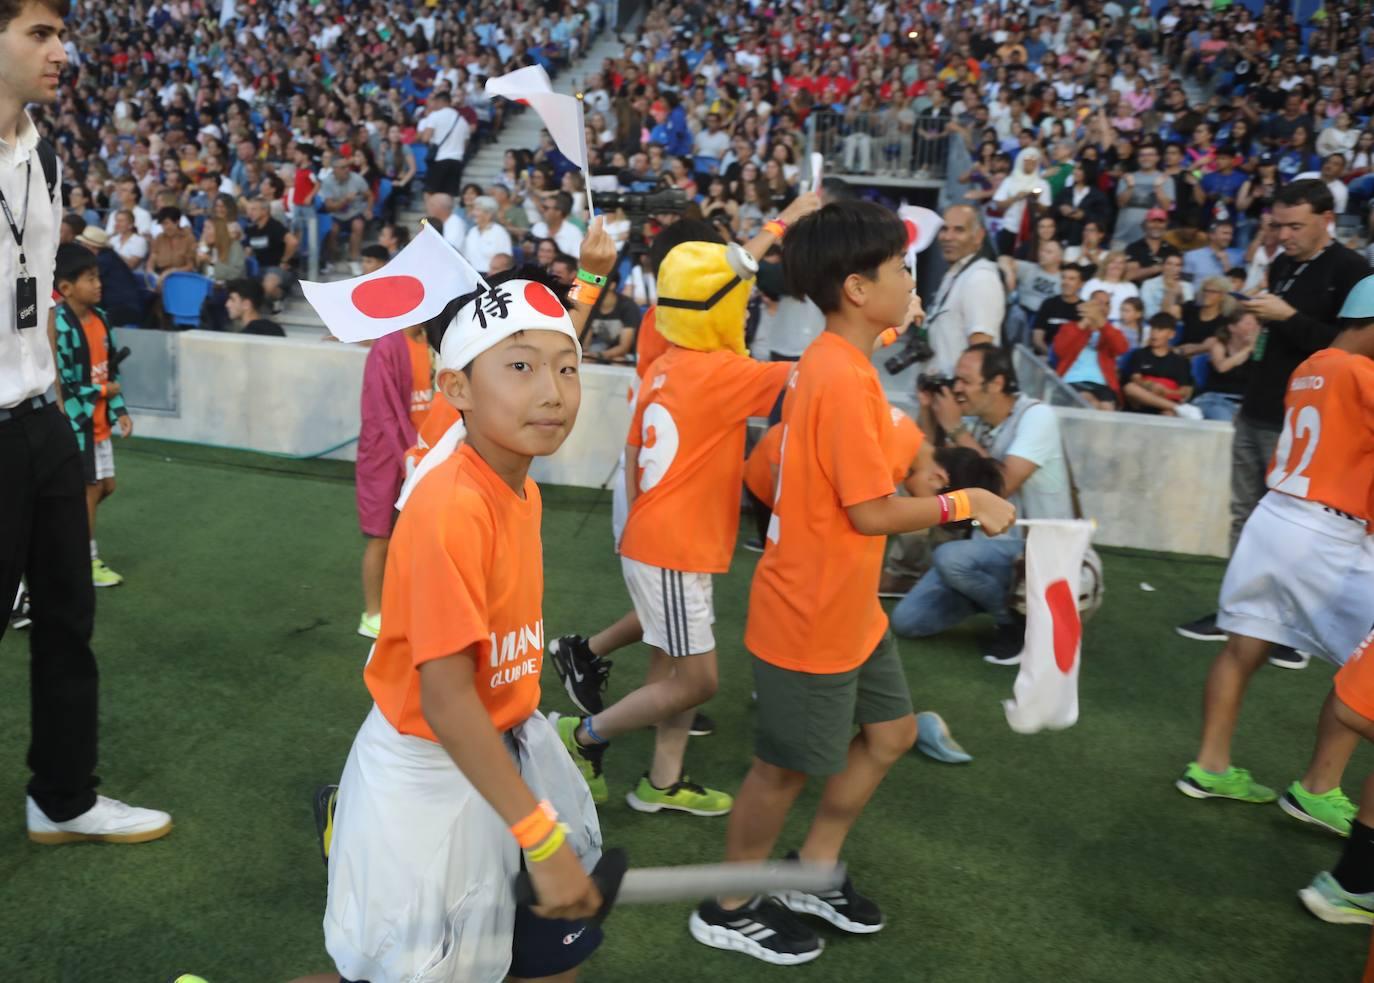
point(422, 382)
point(1355, 679)
point(649, 344)
point(1326, 450)
point(98, 340)
point(464, 570)
point(760, 471)
point(689, 428)
point(814, 603)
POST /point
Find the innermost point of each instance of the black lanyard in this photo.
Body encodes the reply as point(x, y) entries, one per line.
point(17, 230)
point(1287, 284)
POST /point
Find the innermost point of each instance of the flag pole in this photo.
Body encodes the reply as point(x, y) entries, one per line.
point(586, 161)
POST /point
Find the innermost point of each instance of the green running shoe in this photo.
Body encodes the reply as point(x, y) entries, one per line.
point(682, 796)
point(1234, 783)
point(1330, 810)
point(1332, 903)
point(587, 759)
point(103, 576)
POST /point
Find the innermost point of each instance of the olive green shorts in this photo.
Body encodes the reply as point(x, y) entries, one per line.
point(806, 721)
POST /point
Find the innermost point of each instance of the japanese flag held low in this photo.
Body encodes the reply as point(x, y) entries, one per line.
point(1046, 692)
point(922, 225)
point(413, 287)
point(562, 115)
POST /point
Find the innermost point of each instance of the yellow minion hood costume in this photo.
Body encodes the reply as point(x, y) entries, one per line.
point(703, 288)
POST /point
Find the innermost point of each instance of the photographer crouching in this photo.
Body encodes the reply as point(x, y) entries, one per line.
point(981, 407)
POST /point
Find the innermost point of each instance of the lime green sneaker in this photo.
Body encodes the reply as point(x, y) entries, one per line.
point(587, 759)
point(683, 796)
point(1234, 783)
point(370, 625)
point(103, 576)
point(1330, 902)
point(1330, 810)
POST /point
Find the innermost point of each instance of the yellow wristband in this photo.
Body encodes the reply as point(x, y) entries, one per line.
point(550, 845)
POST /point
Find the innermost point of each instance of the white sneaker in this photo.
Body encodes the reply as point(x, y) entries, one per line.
point(108, 821)
point(355, 268)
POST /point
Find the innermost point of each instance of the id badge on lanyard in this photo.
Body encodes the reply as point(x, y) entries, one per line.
point(25, 286)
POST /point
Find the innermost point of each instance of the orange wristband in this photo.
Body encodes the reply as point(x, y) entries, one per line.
point(777, 227)
point(960, 506)
point(536, 827)
point(584, 293)
point(888, 336)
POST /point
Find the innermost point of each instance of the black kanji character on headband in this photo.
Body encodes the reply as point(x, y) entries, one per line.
point(493, 301)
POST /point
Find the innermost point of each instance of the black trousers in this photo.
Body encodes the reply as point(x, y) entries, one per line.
point(45, 535)
point(446, 176)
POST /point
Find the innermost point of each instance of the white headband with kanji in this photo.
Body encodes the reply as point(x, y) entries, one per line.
point(491, 315)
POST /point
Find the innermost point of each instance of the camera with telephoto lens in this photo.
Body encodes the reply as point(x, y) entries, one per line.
point(933, 383)
point(640, 205)
point(917, 350)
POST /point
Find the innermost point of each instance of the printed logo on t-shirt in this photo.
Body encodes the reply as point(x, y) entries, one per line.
point(516, 654)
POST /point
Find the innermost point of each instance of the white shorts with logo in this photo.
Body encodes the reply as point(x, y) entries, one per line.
point(104, 459)
point(422, 869)
point(676, 609)
point(1302, 576)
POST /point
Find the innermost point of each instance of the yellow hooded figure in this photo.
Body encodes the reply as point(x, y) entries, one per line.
point(703, 288)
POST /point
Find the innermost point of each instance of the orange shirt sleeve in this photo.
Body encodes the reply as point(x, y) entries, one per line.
point(850, 437)
point(748, 385)
point(447, 603)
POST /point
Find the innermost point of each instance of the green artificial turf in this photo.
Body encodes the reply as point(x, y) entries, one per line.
point(232, 686)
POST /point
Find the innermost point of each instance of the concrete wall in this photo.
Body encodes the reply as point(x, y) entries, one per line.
point(1153, 483)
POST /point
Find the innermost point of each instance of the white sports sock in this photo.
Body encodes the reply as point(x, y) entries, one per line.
point(94, 553)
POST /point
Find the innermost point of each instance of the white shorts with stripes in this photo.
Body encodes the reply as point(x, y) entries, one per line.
point(676, 609)
point(104, 459)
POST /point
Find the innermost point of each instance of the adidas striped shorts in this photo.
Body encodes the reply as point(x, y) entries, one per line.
point(676, 609)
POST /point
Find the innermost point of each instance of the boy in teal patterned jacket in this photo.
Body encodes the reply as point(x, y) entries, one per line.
point(90, 391)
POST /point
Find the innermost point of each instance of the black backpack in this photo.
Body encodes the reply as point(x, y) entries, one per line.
point(47, 156)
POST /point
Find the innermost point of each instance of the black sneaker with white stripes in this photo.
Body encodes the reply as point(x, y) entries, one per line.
point(844, 907)
point(763, 929)
point(584, 673)
point(702, 726)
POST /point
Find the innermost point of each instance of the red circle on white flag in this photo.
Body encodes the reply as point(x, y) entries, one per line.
point(1068, 629)
point(911, 232)
point(541, 298)
point(388, 296)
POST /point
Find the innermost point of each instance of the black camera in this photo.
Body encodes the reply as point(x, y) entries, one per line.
point(640, 205)
point(917, 350)
point(933, 383)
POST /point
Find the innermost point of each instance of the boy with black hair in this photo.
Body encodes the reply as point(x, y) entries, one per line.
point(1156, 378)
point(90, 386)
point(816, 630)
point(244, 301)
point(440, 803)
point(373, 258)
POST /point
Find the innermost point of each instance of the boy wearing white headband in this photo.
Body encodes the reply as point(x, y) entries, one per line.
point(455, 780)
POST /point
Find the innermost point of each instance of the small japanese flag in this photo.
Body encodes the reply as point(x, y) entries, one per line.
point(414, 287)
point(1046, 692)
point(922, 225)
point(562, 115)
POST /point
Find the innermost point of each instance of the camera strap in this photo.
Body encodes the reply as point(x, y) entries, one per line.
point(947, 285)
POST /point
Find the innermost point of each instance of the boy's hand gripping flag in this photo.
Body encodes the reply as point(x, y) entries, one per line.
point(413, 287)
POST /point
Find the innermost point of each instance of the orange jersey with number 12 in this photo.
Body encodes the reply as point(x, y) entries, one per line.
point(1325, 452)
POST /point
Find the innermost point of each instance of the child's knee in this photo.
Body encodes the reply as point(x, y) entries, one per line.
point(778, 778)
point(698, 679)
point(107, 487)
point(892, 739)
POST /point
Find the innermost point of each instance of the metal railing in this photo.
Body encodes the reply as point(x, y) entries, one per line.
point(878, 144)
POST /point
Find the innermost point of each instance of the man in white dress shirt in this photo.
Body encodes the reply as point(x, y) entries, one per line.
point(44, 531)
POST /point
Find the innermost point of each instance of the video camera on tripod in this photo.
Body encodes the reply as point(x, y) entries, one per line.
point(639, 207)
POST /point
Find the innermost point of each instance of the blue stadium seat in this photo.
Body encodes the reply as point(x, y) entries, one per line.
point(1202, 369)
point(383, 195)
point(251, 267)
point(183, 295)
point(1121, 365)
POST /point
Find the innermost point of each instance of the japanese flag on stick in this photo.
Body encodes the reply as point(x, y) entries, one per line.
point(1046, 690)
point(413, 287)
point(562, 115)
point(922, 226)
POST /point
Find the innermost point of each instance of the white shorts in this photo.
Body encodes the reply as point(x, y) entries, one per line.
point(104, 459)
point(1301, 576)
point(676, 609)
point(421, 868)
